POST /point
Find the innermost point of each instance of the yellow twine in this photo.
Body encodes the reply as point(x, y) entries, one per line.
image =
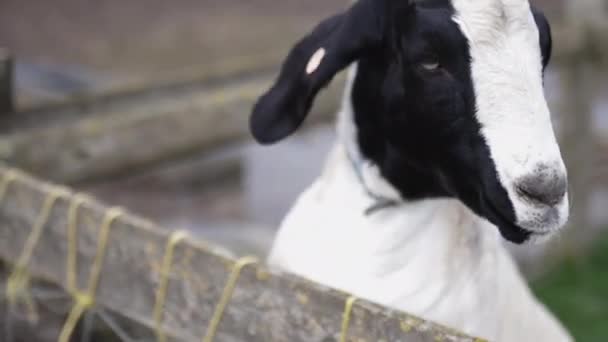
point(9, 177)
point(226, 296)
point(19, 280)
point(72, 236)
point(86, 300)
point(161, 293)
point(348, 308)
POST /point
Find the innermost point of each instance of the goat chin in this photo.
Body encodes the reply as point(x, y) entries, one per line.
point(432, 258)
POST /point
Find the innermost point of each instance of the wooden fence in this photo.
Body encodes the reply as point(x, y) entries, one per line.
point(181, 288)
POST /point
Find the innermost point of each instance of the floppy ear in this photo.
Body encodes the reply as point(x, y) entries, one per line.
point(544, 31)
point(313, 62)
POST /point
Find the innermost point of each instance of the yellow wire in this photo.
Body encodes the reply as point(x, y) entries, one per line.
point(84, 301)
point(7, 180)
point(226, 296)
point(161, 293)
point(72, 236)
point(81, 305)
point(348, 308)
point(9, 177)
point(18, 281)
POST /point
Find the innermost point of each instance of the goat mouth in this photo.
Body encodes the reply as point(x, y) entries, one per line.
point(508, 229)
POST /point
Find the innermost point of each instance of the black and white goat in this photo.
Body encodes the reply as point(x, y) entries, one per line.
point(444, 136)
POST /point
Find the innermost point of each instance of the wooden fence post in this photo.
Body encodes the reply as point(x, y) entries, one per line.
point(7, 104)
point(587, 19)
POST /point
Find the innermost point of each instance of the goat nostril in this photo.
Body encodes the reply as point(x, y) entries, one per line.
point(543, 189)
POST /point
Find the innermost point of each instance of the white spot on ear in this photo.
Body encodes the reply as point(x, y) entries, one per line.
point(315, 61)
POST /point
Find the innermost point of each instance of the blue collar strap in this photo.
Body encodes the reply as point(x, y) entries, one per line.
point(380, 202)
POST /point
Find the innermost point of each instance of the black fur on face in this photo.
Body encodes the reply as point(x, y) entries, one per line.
point(413, 99)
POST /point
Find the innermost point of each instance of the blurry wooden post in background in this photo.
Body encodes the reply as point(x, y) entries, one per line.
point(585, 12)
point(586, 20)
point(6, 82)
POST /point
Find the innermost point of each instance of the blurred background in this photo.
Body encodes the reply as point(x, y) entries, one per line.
point(145, 105)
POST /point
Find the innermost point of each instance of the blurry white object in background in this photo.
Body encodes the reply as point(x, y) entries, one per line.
point(274, 176)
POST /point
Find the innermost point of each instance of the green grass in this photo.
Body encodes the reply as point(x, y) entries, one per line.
point(577, 292)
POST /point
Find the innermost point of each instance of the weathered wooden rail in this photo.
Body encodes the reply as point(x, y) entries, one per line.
point(123, 131)
point(265, 305)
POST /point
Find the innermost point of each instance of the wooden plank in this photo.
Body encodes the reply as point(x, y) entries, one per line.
point(600, 161)
point(267, 305)
point(128, 92)
point(123, 136)
point(6, 83)
point(581, 35)
point(152, 36)
point(148, 40)
point(584, 44)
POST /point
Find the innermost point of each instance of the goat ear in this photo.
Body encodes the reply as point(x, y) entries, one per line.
point(313, 62)
point(544, 31)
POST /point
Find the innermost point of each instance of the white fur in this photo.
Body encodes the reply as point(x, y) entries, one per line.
point(435, 258)
point(511, 105)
